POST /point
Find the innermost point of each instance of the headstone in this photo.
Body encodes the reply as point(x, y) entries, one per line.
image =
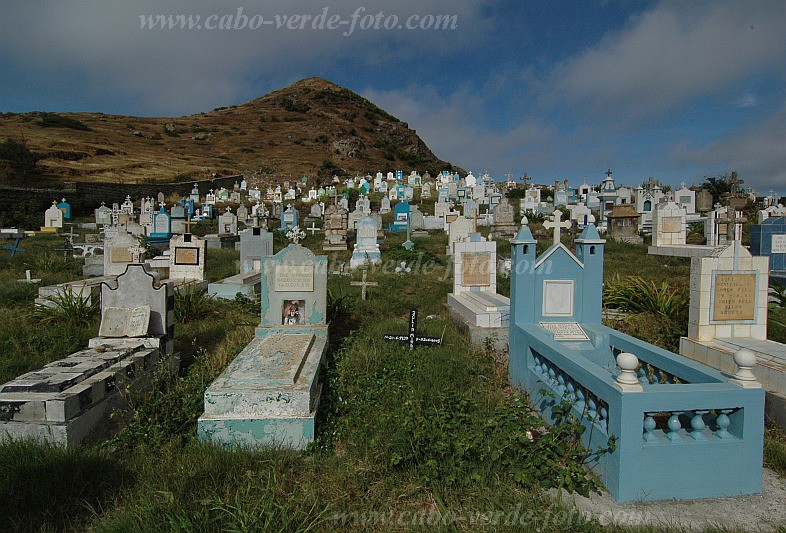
point(704, 201)
point(335, 229)
point(416, 218)
point(425, 191)
point(53, 217)
point(242, 214)
point(117, 253)
point(385, 206)
point(354, 217)
point(669, 225)
point(255, 243)
point(316, 211)
point(161, 227)
point(227, 223)
point(623, 224)
point(103, 215)
point(401, 217)
point(470, 209)
point(269, 394)
point(505, 226)
point(366, 249)
point(187, 258)
point(459, 229)
point(289, 219)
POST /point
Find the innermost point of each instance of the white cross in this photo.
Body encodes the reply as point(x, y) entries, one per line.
point(364, 284)
point(557, 225)
point(313, 229)
point(295, 234)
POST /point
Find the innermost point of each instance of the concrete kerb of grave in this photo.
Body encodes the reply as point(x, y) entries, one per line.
point(756, 513)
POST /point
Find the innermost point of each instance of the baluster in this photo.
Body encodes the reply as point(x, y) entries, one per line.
point(580, 403)
point(536, 364)
point(592, 407)
point(674, 426)
point(552, 377)
point(698, 425)
point(723, 424)
point(642, 373)
point(561, 385)
point(649, 427)
point(571, 392)
point(604, 418)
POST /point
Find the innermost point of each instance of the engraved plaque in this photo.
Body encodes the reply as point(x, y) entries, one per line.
point(294, 278)
point(124, 321)
point(778, 244)
point(557, 298)
point(565, 331)
point(734, 297)
point(671, 225)
point(120, 254)
point(367, 232)
point(186, 256)
point(475, 269)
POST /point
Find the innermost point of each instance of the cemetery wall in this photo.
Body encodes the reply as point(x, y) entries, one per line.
point(84, 197)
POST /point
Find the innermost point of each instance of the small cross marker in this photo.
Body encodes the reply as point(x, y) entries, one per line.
point(557, 224)
point(363, 285)
point(412, 338)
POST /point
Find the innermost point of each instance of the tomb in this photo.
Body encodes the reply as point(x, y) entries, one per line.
point(459, 229)
point(474, 304)
point(623, 224)
point(504, 220)
point(187, 254)
point(401, 217)
point(255, 243)
point(768, 238)
point(682, 430)
point(728, 313)
point(73, 400)
point(53, 219)
point(335, 229)
point(366, 251)
point(268, 396)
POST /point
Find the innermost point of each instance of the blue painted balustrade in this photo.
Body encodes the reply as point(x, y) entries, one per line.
point(685, 431)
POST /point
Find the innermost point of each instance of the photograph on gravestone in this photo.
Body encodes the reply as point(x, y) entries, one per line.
point(290, 312)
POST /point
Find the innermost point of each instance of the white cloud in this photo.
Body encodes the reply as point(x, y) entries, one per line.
point(670, 55)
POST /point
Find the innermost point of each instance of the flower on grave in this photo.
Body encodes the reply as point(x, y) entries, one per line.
point(295, 234)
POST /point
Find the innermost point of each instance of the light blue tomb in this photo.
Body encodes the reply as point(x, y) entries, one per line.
point(268, 396)
point(769, 238)
point(683, 430)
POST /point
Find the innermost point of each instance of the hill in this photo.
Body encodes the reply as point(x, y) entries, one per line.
point(312, 127)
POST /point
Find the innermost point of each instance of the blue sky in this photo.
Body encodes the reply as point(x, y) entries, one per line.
point(673, 90)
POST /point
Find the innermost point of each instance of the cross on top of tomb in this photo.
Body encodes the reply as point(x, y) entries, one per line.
point(608, 173)
point(136, 253)
point(295, 234)
point(557, 224)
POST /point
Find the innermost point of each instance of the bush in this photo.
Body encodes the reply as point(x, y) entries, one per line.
point(637, 295)
point(19, 157)
point(192, 304)
point(53, 120)
point(67, 307)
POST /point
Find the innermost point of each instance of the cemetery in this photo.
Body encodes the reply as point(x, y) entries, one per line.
point(332, 348)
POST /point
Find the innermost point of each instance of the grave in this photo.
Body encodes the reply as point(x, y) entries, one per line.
point(53, 219)
point(505, 226)
point(74, 400)
point(161, 226)
point(255, 243)
point(268, 396)
point(474, 304)
point(366, 251)
point(117, 253)
point(227, 223)
point(669, 230)
point(768, 238)
point(385, 205)
point(289, 219)
point(459, 229)
point(728, 313)
point(623, 224)
point(401, 217)
point(682, 430)
point(335, 229)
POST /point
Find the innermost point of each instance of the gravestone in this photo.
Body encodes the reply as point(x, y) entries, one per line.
point(668, 225)
point(366, 249)
point(623, 224)
point(425, 191)
point(353, 218)
point(77, 399)
point(385, 205)
point(289, 219)
point(117, 253)
point(474, 304)
point(768, 238)
point(416, 218)
point(470, 209)
point(227, 223)
point(461, 228)
point(53, 217)
point(704, 201)
point(335, 229)
point(268, 396)
point(363, 204)
point(255, 243)
point(161, 227)
point(65, 207)
point(505, 226)
point(242, 214)
point(187, 259)
point(316, 211)
point(103, 215)
point(400, 217)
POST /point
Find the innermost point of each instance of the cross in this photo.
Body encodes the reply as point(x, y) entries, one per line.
point(557, 225)
point(313, 229)
point(136, 253)
point(67, 247)
point(15, 237)
point(412, 338)
point(363, 284)
point(408, 244)
point(188, 224)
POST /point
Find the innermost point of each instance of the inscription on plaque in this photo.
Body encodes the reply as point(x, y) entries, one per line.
point(778, 244)
point(475, 269)
point(367, 232)
point(671, 225)
point(124, 321)
point(734, 297)
point(120, 254)
point(294, 278)
point(558, 298)
point(186, 256)
point(565, 331)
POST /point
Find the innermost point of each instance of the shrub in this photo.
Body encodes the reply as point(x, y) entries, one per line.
point(67, 307)
point(192, 304)
point(637, 295)
point(53, 120)
point(19, 157)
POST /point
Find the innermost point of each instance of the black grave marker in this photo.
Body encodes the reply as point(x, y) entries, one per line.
point(412, 338)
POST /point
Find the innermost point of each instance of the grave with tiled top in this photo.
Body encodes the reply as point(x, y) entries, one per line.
point(366, 250)
point(187, 255)
point(268, 396)
point(682, 430)
point(768, 238)
point(474, 304)
point(728, 312)
point(70, 401)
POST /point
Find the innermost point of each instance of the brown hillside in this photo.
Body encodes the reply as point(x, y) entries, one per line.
point(312, 127)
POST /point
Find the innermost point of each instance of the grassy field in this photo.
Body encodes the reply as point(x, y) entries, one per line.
point(431, 439)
